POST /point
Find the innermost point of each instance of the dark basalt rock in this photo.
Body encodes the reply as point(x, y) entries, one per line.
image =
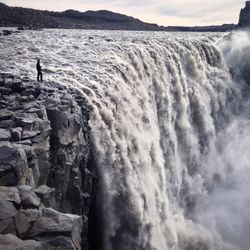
point(22, 225)
point(47, 195)
point(28, 198)
point(44, 150)
point(16, 133)
point(59, 242)
point(4, 134)
point(7, 175)
point(10, 194)
point(10, 242)
point(7, 226)
point(17, 87)
point(7, 32)
point(7, 209)
point(5, 114)
point(244, 20)
point(52, 222)
point(16, 159)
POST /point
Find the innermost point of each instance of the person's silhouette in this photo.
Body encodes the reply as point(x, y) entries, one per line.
point(39, 71)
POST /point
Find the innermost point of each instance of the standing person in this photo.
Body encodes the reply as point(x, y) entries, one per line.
point(39, 71)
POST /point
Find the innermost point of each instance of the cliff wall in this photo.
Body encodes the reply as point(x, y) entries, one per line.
point(45, 182)
point(244, 20)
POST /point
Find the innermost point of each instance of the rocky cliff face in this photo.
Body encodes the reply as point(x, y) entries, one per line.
point(244, 20)
point(45, 183)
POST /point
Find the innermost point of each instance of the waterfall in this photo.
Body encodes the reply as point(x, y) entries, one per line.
point(169, 119)
point(171, 149)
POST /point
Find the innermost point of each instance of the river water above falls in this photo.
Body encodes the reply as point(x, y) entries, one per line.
point(170, 131)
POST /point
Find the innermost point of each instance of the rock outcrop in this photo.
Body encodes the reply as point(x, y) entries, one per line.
point(244, 20)
point(45, 183)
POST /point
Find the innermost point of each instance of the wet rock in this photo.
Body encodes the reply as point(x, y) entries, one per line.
point(31, 215)
point(5, 114)
point(7, 226)
point(65, 127)
point(27, 98)
point(47, 195)
point(7, 175)
point(21, 223)
point(54, 222)
point(7, 124)
point(10, 194)
point(5, 91)
point(4, 135)
point(17, 87)
point(16, 133)
point(29, 134)
point(7, 209)
point(45, 157)
point(16, 158)
point(59, 242)
point(25, 123)
point(25, 143)
point(28, 197)
point(25, 79)
point(11, 242)
point(7, 32)
point(42, 158)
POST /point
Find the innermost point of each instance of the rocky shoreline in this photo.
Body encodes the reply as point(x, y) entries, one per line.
point(46, 183)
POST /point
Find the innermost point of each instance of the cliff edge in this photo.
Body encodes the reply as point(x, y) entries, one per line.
point(46, 184)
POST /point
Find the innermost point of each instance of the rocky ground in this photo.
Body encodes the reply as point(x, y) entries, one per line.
point(46, 184)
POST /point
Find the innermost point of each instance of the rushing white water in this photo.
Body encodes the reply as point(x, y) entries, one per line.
point(169, 129)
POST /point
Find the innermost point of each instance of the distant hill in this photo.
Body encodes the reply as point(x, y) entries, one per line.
point(70, 19)
point(102, 19)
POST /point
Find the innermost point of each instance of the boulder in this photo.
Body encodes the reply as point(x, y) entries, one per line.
point(5, 114)
point(11, 242)
point(29, 134)
point(65, 127)
point(16, 133)
point(22, 224)
point(7, 226)
point(32, 215)
point(26, 123)
point(7, 123)
point(10, 194)
point(16, 158)
point(7, 32)
point(7, 175)
point(4, 134)
point(28, 198)
point(55, 223)
point(60, 242)
point(7, 210)
point(47, 195)
point(17, 87)
point(5, 91)
point(25, 142)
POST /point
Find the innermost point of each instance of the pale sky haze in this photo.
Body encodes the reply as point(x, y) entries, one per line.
point(162, 12)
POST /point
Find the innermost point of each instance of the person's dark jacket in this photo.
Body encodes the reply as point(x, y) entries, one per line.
point(38, 67)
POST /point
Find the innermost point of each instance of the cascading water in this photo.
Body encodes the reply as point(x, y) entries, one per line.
point(169, 131)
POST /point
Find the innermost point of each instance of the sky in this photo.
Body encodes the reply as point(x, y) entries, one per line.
point(162, 12)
